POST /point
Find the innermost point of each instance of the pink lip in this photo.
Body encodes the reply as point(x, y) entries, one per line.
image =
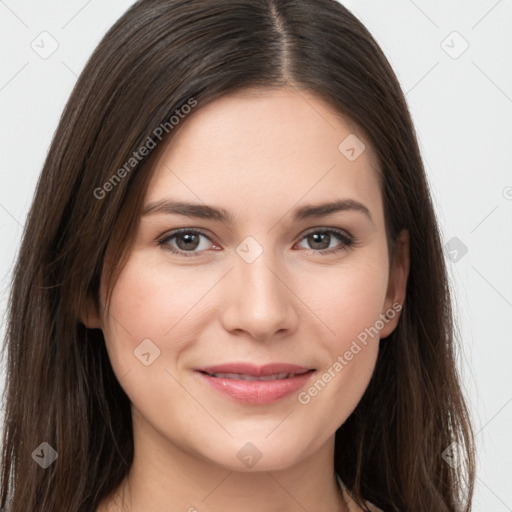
point(256, 392)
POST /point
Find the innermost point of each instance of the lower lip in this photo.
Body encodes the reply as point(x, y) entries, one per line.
point(257, 391)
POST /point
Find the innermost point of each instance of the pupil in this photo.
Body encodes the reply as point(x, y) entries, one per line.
point(189, 239)
point(321, 236)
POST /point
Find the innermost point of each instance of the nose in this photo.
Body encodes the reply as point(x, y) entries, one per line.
point(259, 300)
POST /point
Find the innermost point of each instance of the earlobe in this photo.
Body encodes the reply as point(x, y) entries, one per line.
point(397, 285)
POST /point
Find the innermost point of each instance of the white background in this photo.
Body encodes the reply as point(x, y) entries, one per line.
point(462, 109)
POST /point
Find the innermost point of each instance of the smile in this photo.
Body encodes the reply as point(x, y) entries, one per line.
point(256, 385)
point(243, 376)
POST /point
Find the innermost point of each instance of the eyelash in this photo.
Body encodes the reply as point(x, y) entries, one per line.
point(348, 241)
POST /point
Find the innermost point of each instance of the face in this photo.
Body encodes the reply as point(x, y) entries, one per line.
point(273, 282)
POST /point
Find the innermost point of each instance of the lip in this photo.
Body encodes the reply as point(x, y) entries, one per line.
point(254, 370)
point(254, 391)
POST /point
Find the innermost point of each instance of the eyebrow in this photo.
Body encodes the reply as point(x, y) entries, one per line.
point(203, 211)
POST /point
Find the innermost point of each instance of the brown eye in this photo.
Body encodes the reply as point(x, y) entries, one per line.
point(320, 241)
point(185, 242)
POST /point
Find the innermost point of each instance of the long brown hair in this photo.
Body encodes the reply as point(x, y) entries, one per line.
point(160, 55)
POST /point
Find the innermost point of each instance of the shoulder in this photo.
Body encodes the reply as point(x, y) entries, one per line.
point(352, 505)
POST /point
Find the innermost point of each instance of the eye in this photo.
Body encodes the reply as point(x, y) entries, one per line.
point(187, 241)
point(320, 239)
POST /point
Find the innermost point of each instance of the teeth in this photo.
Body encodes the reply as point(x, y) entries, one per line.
point(239, 376)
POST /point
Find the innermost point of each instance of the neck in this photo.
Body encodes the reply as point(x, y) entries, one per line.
point(164, 477)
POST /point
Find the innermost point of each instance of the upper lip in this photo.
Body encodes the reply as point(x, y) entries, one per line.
point(255, 370)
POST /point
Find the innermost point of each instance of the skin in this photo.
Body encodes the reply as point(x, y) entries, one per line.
point(259, 155)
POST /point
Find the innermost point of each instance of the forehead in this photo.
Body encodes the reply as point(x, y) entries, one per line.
point(255, 145)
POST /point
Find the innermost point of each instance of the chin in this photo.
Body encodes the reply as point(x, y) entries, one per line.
point(257, 455)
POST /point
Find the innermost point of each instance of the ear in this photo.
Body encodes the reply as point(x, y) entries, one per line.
point(89, 315)
point(397, 285)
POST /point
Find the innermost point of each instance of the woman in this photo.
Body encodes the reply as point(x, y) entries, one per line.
point(231, 292)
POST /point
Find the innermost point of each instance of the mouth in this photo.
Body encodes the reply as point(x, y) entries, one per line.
point(245, 376)
point(256, 385)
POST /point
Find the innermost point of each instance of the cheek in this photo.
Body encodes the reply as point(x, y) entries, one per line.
point(350, 309)
point(351, 300)
point(149, 302)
